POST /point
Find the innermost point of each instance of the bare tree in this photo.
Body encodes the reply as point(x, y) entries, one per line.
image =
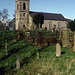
point(5, 14)
point(14, 15)
point(0, 14)
point(14, 20)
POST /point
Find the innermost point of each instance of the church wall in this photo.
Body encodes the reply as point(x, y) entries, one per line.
point(21, 17)
point(63, 24)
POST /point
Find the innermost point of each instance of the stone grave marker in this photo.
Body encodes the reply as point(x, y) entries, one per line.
point(64, 37)
point(37, 55)
point(27, 34)
point(58, 50)
point(17, 62)
point(19, 35)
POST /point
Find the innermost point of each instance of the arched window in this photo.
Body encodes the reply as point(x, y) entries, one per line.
point(17, 6)
point(23, 14)
point(50, 26)
point(24, 6)
point(24, 26)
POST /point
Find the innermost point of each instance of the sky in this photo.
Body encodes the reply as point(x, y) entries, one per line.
point(64, 7)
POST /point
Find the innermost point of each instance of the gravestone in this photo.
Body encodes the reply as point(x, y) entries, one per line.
point(64, 37)
point(19, 35)
point(27, 34)
point(17, 62)
point(37, 55)
point(74, 43)
point(58, 50)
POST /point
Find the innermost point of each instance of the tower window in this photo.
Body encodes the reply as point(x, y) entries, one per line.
point(17, 6)
point(24, 26)
point(23, 14)
point(24, 6)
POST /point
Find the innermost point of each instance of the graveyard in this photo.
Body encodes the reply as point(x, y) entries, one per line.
point(24, 54)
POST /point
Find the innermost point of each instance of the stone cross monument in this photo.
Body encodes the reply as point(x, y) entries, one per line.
point(64, 37)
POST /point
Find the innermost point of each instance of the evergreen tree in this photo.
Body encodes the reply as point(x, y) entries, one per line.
point(38, 20)
point(72, 25)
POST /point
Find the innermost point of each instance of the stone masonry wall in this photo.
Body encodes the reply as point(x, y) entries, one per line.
point(63, 24)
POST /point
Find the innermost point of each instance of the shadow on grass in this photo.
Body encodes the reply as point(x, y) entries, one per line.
point(43, 49)
point(12, 52)
point(2, 71)
point(25, 61)
point(62, 53)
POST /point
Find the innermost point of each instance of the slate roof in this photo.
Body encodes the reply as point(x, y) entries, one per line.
point(49, 16)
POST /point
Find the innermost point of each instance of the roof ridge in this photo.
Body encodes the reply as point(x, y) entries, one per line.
point(49, 16)
point(44, 12)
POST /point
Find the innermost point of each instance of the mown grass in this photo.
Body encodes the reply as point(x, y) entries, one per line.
point(47, 64)
point(15, 47)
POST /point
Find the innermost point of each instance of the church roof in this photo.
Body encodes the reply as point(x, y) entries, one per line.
point(49, 16)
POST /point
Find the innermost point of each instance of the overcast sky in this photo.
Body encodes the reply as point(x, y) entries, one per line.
point(65, 7)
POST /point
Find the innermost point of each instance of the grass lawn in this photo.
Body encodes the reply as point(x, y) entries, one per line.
point(47, 64)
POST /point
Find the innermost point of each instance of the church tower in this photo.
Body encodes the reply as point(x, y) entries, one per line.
point(22, 14)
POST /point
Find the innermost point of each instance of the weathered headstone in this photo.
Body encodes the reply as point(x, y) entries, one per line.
point(17, 62)
point(37, 55)
point(27, 34)
point(19, 35)
point(64, 37)
point(74, 43)
point(58, 50)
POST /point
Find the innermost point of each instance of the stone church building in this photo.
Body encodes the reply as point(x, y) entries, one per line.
point(24, 16)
